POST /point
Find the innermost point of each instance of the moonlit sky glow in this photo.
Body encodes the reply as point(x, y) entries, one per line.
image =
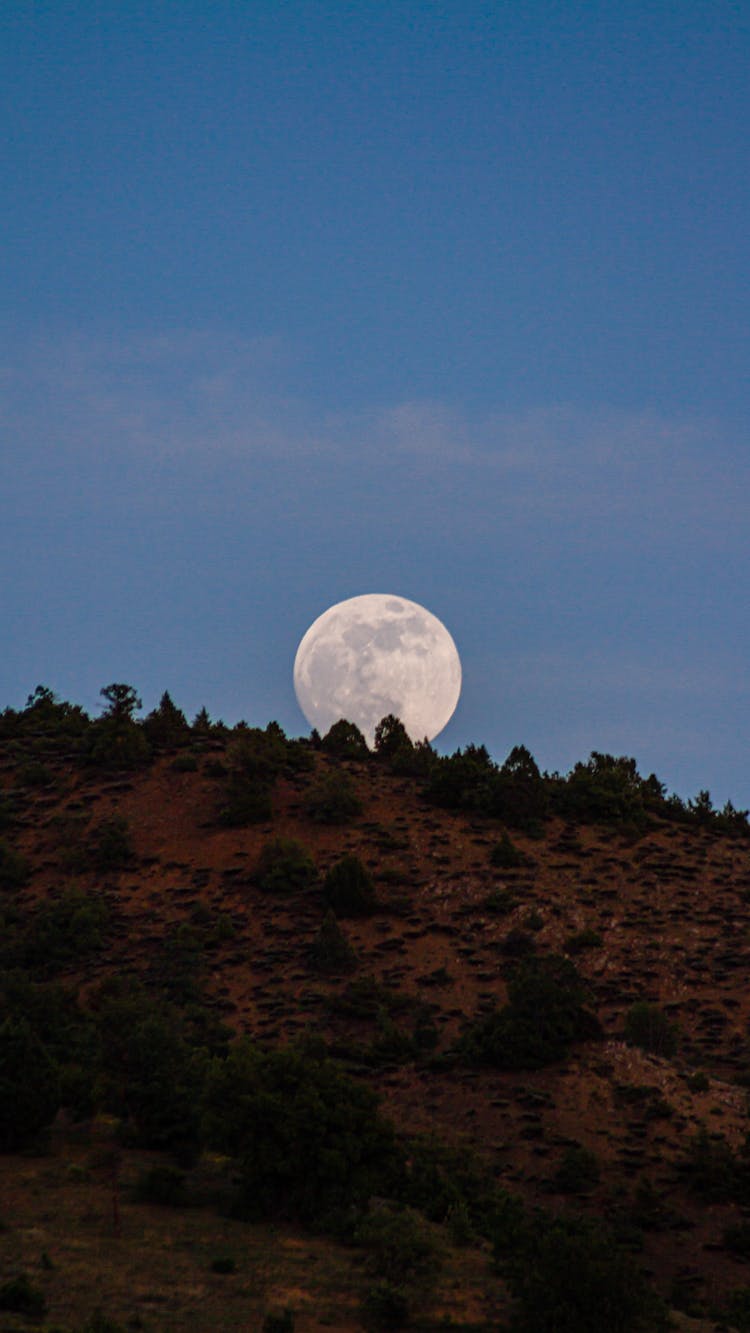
point(303, 299)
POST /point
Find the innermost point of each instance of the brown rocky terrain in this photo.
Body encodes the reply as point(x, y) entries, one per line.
point(661, 914)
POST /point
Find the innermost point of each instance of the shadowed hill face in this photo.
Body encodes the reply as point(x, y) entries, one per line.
point(655, 914)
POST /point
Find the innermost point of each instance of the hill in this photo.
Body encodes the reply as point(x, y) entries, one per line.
point(480, 1005)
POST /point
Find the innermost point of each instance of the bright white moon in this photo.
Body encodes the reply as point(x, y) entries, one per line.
point(374, 655)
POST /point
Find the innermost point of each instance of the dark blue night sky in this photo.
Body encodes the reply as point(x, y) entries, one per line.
point(304, 300)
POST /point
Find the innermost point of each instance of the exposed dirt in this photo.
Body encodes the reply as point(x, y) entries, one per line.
point(672, 910)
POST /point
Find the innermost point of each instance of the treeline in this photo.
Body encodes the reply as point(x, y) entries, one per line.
point(603, 789)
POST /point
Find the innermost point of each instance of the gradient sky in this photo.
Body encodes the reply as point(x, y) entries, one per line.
point(302, 300)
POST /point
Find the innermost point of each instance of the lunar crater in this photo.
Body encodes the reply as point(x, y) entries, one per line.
point(373, 655)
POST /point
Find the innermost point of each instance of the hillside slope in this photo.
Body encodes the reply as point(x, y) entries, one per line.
point(644, 1138)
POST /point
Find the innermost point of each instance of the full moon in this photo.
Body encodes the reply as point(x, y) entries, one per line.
point(373, 655)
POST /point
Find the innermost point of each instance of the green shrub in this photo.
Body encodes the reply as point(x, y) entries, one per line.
point(247, 800)
point(578, 1172)
point(18, 1295)
point(8, 813)
point(737, 1310)
point(366, 997)
point(150, 1074)
point(574, 1279)
point(546, 1012)
point(224, 1264)
point(29, 1085)
point(391, 738)
point(185, 763)
point(162, 1184)
point(647, 1027)
point(399, 1246)
point(736, 1239)
point(99, 1322)
point(309, 1141)
point(14, 868)
point(110, 846)
point(116, 740)
point(255, 759)
point(281, 1321)
point(167, 724)
point(345, 740)
point(583, 940)
point(709, 1168)
point(500, 901)
point(348, 889)
point(284, 867)
point(505, 855)
point(606, 789)
point(65, 929)
point(330, 951)
point(386, 1305)
point(333, 799)
point(518, 943)
point(35, 774)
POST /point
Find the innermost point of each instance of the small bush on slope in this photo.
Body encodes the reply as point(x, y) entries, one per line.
point(309, 1140)
point(546, 1012)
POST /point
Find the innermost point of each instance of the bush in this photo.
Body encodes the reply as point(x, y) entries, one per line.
point(284, 867)
point(399, 1246)
point(546, 1012)
point(345, 740)
point(391, 738)
point(116, 740)
point(29, 1085)
point(607, 789)
point(348, 889)
point(710, 1169)
point(572, 1279)
point(309, 1141)
point(99, 1322)
point(110, 846)
point(185, 763)
point(386, 1306)
point(583, 940)
point(505, 855)
point(14, 868)
point(255, 759)
point(150, 1075)
point(167, 724)
point(333, 800)
point(224, 1264)
point(64, 930)
point(162, 1184)
point(330, 951)
point(247, 800)
point(18, 1295)
point(578, 1172)
point(648, 1027)
point(279, 1322)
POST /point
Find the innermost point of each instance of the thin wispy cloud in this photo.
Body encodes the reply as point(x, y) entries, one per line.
point(206, 398)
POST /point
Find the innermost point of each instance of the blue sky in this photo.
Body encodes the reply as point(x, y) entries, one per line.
point(303, 300)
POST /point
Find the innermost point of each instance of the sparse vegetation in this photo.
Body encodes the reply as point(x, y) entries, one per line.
point(284, 867)
point(333, 799)
point(648, 1027)
point(348, 889)
point(131, 960)
point(547, 1011)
